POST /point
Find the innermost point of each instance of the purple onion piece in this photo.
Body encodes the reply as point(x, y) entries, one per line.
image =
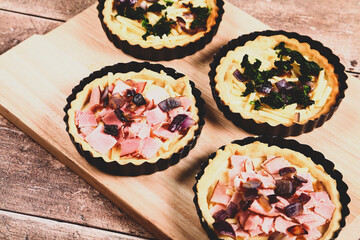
point(116, 101)
point(265, 87)
point(120, 115)
point(304, 198)
point(189, 15)
point(297, 230)
point(300, 179)
point(272, 198)
point(239, 76)
point(251, 184)
point(231, 209)
point(139, 100)
point(286, 170)
point(182, 25)
point(250, 194)
point(111, 130)
point(310, 84)
point(244, 205)
point(187, 123)
point(293, 209)
point(277, 236)
point(176, 122)
point(224, 228)
point(104, 94)
point(220, 215)
point(152, 1)
point(169, 104)
point(283, 85)
point(284, 188)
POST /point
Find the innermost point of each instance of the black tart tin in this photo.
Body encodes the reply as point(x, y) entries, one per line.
point(316, 157)
point(145, 168)
point(164, 53)
point(296, 129)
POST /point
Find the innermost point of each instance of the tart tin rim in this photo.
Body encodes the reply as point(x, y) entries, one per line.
point(145, 168)
point(249, 124)
point(164, 53)
point(316, 157)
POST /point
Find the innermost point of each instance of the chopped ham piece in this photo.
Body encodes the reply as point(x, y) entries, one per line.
point(281, 224)
point(267, 182)
point(237, 181)
point(140, 87)
point(241, 233)
point(305, 218)
point(281, 203)
point(256, 231)
point(217, 207)
point(249, 166)
point(120, 87)
point(85, 119)
point(185, 102)
point(150, 147)
point(242, 216)
point(273, 165)
point(252, 222)
point(111, 119)
point(313, 234)
point(100, 141)
point(94, 97)
point(323, 204)
point(306, 186)
point(219, 195)
point(325, 210)
point(155, 116)
point(86, 131)
point(257, 208)
point(237, 163)
point(164, 133)
point(130, 146)
point(157, 94)
point(104, 111)
point(140, 129)
point(267, 224)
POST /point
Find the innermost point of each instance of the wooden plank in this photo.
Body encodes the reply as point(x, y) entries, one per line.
point(18, 226)
point(82, 52)
point(35, 183)
point(15, 28)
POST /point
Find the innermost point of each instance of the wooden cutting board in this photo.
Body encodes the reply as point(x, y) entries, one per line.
point(38, 75)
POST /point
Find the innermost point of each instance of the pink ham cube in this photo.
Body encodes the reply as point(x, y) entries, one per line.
point(155, 116)
point(100, 141)
point(150, 147)
point(130, 146)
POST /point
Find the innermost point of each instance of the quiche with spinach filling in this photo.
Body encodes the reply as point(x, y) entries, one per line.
point(277, 80)
point(161, 23)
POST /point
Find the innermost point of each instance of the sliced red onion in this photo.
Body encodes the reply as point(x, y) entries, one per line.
point(284, 187)
point(252, 184)
point(283, 85)
point(293, 209)
point(300, 179)
point(220, 215)
point(239, 76)
point(189, 15)
point(152, 1)
point(105, 93)
point(169, 104)
point(187, 123)
point(286, 170)
point(310, 84)
point(182, 25)
point(277, 236)
point(116, 101)
point(244, 205)
point(224, 228)
point(272, 198)
point(304, 198)
point(231, 209)
point(139, 100)
point(111, 130)
point(176, 122)
point(120, 115)
point(297, 230)
point(265, 87)
point(250, 194)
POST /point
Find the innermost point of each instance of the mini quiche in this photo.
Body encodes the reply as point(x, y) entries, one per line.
point(134, 117)
point(257, 191)
point(160, 29)
point(277, 80)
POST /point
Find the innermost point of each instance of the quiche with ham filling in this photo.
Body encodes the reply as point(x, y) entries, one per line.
point(161, 23)
point(277, 80)
point(134, 117)
point(261, 192)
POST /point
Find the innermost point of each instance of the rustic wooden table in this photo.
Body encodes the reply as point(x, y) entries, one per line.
point(40, 198)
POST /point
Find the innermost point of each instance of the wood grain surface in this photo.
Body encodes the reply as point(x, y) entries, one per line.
point(28, 172)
